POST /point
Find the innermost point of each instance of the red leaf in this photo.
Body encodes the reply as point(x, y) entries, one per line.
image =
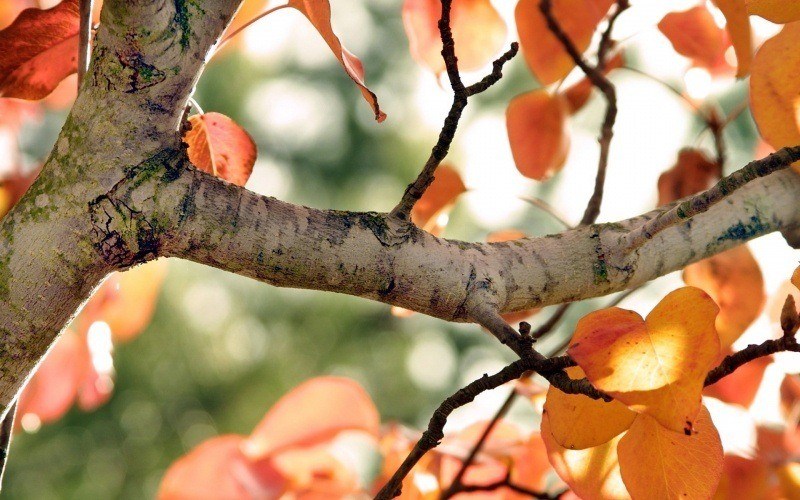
point(295, 420)
point(219, 146)
point(319, 13)
point(40, 48)
point(478, 31)
point(439, 198)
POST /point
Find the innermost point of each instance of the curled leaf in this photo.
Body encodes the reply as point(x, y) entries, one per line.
point(655, 366)
point(40, 48)
point(219, 146)
point(544, 53)
point(538, 133)
point(738, 27)
point(694, 34)
point(478, 31)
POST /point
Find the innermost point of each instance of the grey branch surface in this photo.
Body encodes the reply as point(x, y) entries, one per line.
point(117, 190)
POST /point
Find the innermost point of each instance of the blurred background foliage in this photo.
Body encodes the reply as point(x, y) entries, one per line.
point(222, 349)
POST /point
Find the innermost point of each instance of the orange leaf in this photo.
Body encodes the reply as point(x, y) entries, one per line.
point(789, 477)
point(531, 464)
point(656, 366)
point(599, 421)
point(219, 146)
point(578, 95)
point(295, 419)
point(743, 478)
point(40, 48)
point(691, 174)
point(592, 473)
point(774, 87)
point(314, 470)
point(319, 13)
point(796, 278)
point(538, 133)
point(543, 52)
point(738, 27)
point(694, 34)
point(733, 279)
point(478, 31)
point(217, 469)
point(439, 198)
point(777, 11)
point(658, 463)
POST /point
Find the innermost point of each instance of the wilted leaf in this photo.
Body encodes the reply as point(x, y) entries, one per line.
point(655, 366)
point(319, 13)
point(599, 421)
point(40, 48)
point(774, 88)
point(777, 11)
point(691, 174)
point(538, 133)
point(658, 463)
point(217, 469)
point(740, 387)
point(219, 146)
point(294, 421)
point(733, 279)
point(438, 199)
point(592, 473)
point(738, 27)
point(478, 31)
point(694, 34)
point(543, 52)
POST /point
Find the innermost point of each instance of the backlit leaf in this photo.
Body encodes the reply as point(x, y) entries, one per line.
point(592, 473)
point(789, 477)
point(319, 13)
point(743, 478)
point(295, 419)
point(599, 421)
point(578, 94)
point(538, 133)
point(692, 173)
point(777, 11)
point(478, 31)
point(219, 146)
point(738, 27)
point(543, 52)
point(658, 463)
point(40, 48)
point(694, 34)
point(733, 279)
point(655, 366)
point(438, 199)
point(774, 87)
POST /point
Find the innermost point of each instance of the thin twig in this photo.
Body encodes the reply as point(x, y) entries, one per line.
point(703, 201)
point(246, 25)
point(546, 207)
point(507, 483)
point(85, 34)
point(551, 323)
point(461, 95)
point(456, 484)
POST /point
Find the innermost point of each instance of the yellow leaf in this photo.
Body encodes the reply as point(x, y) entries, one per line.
point(599, 421)
point(777, 11)
point(658, 463)
point(656, 366)
point(592, 473)
point(738, 27)
point(774, 88)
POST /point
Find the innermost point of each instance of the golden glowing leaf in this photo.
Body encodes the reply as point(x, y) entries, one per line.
point(738, 27)
point(658, 463)
point(599, 421)
point(655, 366)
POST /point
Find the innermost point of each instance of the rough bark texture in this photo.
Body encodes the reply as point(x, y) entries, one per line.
point(118, 190)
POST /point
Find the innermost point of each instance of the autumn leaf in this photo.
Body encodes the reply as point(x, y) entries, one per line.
point(796, 278)
point(599, 421)
point(319, 13)
point(219, 146)
point(538, 133)
point(738, 27)
point(692, 173)
point(478, 31)
point(733, 279)
point(774, 87)
point(40, 48)
point(655, 366)
point(789, 477)
point(591, 473)
point(658, 463)
point(694, 34)
point(743, 478)
point(294, 420)
point(544, 53)
point(438, 199)
point(578, 94)
point(777, 11)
